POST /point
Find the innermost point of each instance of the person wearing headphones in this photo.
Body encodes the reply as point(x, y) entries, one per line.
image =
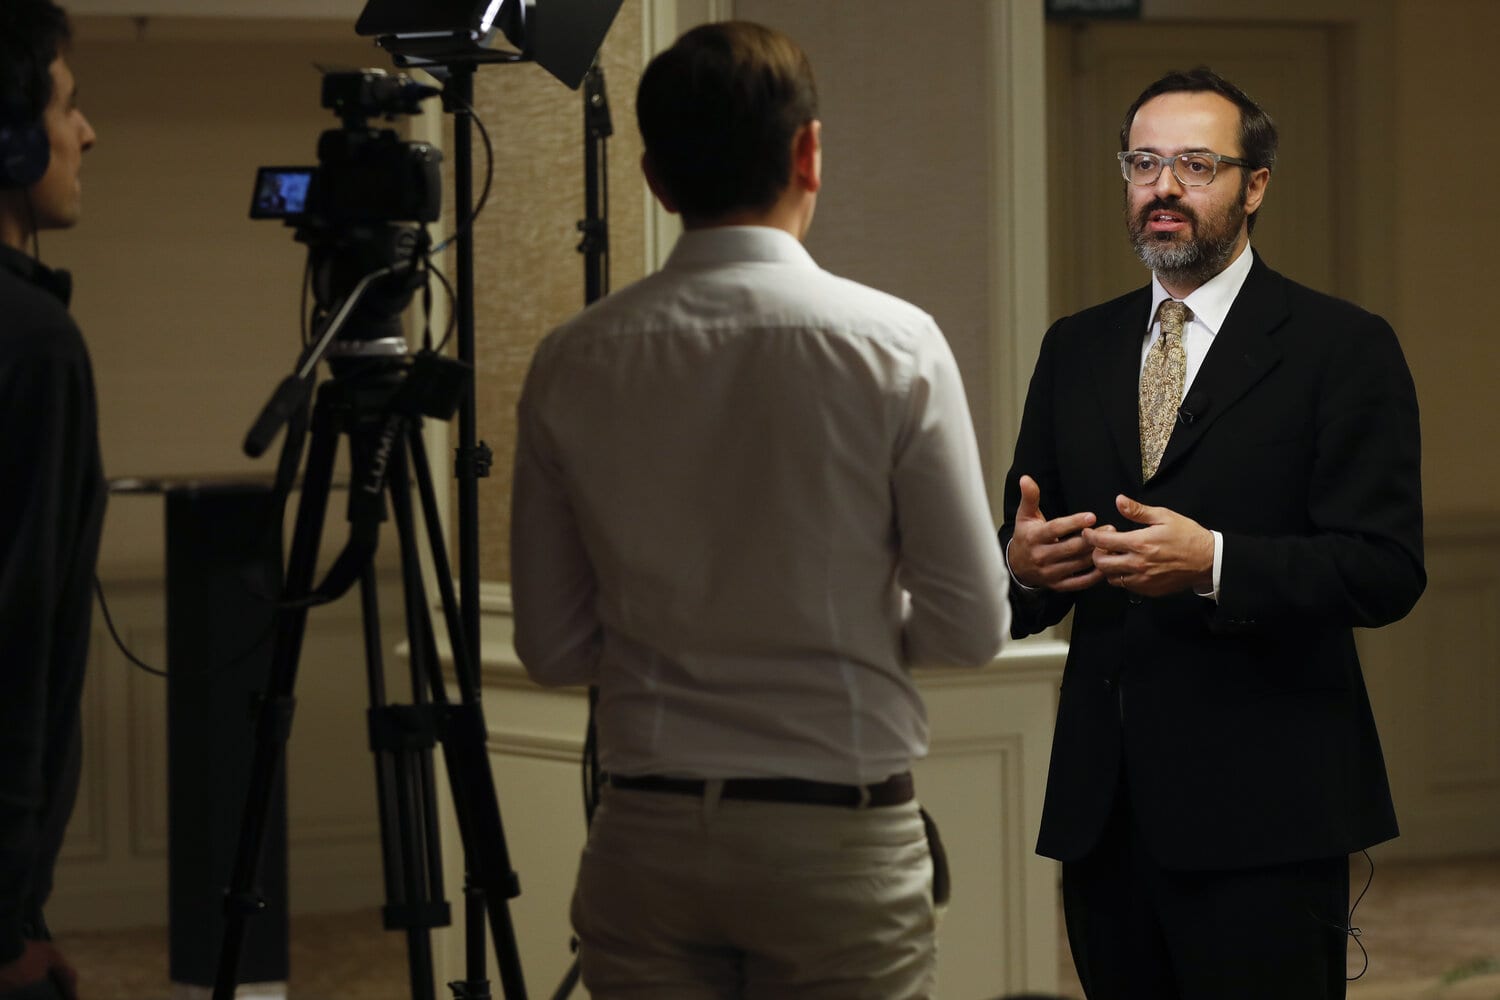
point(52, 489)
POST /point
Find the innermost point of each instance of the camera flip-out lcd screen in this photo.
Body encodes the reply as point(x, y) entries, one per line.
point(280, 192)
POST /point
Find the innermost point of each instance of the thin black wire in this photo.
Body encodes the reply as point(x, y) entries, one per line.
point(1347, 927)
point(466, 227)
point(489, 179)
point(452, 304)
point(1350, 929)
point(233, 661)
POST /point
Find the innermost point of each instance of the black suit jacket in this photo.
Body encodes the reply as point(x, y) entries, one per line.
point(1244, 726)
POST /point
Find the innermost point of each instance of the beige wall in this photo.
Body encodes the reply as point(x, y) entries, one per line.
point(905, 204)
point(1447, 110)
point(189, 307)
point(528, 274)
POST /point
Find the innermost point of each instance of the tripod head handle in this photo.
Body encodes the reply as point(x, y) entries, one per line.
point(290, 396)
point(293, 391)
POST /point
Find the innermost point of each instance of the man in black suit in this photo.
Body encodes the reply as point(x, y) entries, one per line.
point(1233, 488)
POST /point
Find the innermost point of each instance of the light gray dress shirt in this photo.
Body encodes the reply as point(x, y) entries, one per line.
point(747, 499)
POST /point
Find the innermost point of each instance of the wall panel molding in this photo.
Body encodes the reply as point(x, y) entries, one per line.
point(982, 780)
point(113, 868)
point(1434, 681)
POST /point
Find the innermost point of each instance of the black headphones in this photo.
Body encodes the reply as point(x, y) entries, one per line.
point(24, 150)
point(24, 147)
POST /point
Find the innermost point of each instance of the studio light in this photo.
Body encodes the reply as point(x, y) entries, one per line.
point(561, 36)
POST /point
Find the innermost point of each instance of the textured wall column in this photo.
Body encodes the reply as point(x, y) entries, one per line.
point(528, 274)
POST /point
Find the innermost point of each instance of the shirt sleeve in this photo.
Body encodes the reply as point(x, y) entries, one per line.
point(558, 635)
point(1212, 593)
point(949, 562)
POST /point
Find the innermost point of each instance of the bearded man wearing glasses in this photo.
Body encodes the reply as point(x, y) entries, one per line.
point(1219, 475)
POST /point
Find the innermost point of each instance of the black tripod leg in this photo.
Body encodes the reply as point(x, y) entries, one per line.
point(426, 675)
point(487, 860)
point(402, 738)
point(274, 722)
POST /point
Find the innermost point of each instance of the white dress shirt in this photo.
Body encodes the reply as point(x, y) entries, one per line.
point(1210, 303)
point(747, 499)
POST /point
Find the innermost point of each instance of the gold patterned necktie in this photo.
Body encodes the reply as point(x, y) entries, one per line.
point(1162, 379)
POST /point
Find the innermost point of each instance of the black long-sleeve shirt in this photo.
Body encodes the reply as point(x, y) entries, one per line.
point(52, 497)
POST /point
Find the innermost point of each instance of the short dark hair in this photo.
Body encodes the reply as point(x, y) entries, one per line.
point(1258, 135)
point(718, 111)
point(32, 34)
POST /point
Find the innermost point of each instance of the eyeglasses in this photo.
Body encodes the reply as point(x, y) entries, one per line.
point(1190, 169)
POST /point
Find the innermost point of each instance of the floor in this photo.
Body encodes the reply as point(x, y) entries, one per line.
point(1432, 930)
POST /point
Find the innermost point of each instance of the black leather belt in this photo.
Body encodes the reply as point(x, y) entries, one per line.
point(893, 791)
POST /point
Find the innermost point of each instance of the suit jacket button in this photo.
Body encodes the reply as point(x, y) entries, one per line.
point(1135, 598)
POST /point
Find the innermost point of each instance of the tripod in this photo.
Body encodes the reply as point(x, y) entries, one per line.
point(378, 404)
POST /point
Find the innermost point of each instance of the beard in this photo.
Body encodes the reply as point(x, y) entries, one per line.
point(1182, 258)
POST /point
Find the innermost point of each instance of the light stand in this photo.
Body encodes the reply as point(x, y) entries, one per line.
point(564, 39)
point(472, 462)
point(598, 126)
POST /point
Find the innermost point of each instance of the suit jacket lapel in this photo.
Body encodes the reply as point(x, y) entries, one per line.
point(1117, 376)
point(1241, 355)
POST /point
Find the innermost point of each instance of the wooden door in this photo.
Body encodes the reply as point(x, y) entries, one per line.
point(1096, 69)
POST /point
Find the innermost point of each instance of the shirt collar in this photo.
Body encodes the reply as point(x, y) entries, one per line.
point(738, 245)
point(1211, 300)
point(58, 283)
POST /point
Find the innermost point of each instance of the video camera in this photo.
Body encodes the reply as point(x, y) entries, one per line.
point(364, 175)
point(362, 211)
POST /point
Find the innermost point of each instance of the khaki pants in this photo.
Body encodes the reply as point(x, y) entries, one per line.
point(686, 898)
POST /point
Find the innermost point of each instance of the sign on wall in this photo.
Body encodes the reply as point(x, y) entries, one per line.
point(1114, 9)
point(318, 9)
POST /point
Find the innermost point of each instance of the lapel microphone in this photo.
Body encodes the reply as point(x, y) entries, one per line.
point(1194, 405)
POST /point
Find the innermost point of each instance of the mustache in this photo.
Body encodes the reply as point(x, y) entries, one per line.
point(1165, 205)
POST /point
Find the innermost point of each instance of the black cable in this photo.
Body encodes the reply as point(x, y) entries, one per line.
point(452, 306)
point(1347, 927)
point(1350, 929)
point(233, 661)
point(489, 178)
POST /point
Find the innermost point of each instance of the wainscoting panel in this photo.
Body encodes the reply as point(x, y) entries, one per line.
point(982, 781)
point(1434, 680)
point(113, 868)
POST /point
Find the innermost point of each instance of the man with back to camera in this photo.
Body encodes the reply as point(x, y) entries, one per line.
point(53, 494)
point(747, 499)
point(1230, 462)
